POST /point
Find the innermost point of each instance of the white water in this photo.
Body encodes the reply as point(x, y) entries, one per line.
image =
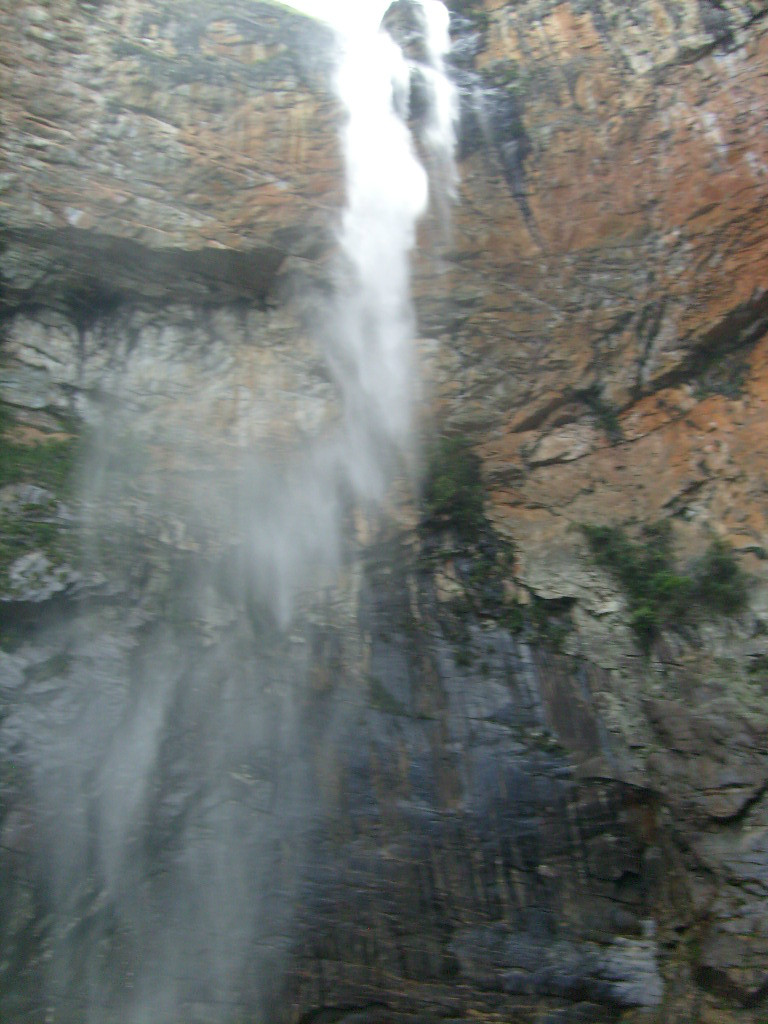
point(387, 192)
point(443, 115)
point(368, 328)
point(171, 777)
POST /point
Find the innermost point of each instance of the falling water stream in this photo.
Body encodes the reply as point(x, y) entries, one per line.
point(368, 327)
point(172, 789)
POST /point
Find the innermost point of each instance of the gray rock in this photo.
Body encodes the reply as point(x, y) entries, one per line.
point(34, 578)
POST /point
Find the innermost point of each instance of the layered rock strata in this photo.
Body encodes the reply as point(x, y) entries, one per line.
point(492, 800)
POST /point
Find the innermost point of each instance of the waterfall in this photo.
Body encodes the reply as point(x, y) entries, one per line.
point(172, 775)
point(369, 326)
point(443, 108)
point(388, 191)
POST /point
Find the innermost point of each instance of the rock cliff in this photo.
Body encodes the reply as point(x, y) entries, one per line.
point(507, 765)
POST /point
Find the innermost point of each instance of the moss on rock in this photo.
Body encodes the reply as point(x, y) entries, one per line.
point(658, 592)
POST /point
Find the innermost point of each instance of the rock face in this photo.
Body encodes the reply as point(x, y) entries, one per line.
point(156, 147)
point(638, 139)
point(462, 782)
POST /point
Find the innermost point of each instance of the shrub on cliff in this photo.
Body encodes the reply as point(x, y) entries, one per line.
point(453, 488)
point(719, 582)
point(45, 462)
point(31, 518)
point(658, 593)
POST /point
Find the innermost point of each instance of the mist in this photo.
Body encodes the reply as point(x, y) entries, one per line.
point(175, 756)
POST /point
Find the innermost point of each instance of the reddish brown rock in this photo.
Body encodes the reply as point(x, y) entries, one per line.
point(601, 307)
point(633, 230)
point(166, 138)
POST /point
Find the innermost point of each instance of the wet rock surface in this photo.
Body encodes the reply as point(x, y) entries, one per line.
point(443, 856)
point(495, 881)
point(456, 786)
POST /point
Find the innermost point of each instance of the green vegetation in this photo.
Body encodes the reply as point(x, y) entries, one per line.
point(381, 699)
point(478, 18)
point(545, 622)
point(513, 618)
point(26, 531)
point(549, 621)
point(726, 376)
point(504, 74)
point(456, 624)
point(658, 593)
point(48, 464)
point(757, 668)
point(719, 582)
point(455, 530)
point(453, 490)
point(605, 414)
